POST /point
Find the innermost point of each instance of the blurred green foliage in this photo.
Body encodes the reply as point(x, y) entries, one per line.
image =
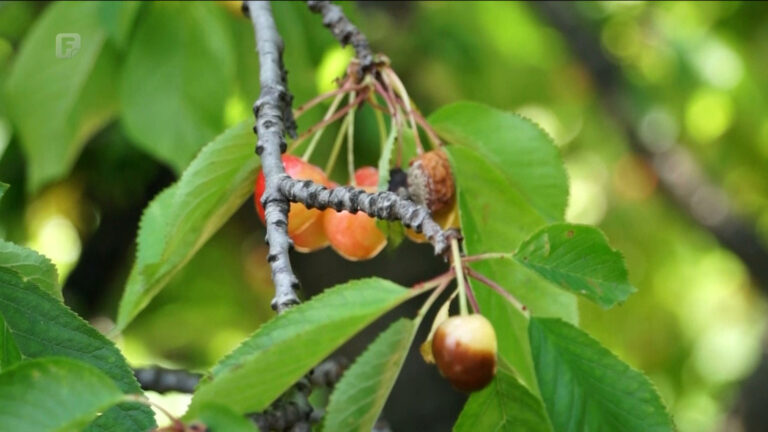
point(153, 82)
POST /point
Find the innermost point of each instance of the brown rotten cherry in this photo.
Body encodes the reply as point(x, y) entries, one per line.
point(464, 348)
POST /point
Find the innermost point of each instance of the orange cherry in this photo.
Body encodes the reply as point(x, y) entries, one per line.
point(356, 236)
point(299, 217)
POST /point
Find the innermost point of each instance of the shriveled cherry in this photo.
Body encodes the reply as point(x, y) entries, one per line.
point(355, 236)
point(304, 225)
point(465, 348)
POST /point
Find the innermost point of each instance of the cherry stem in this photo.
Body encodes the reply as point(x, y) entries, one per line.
point(471, 296)
point(485, 256)
point(406, 104)
point(437, 280)
point(427, 128)
point(336, 147)
point(175, 422)
point(316, 138)
point(345, 87)
point(456, 258)
point(499, 289)
point(432, 297)
point(379, 121)
point(351, 143)
point(329, 120)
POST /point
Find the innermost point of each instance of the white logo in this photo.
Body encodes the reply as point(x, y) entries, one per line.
point(67, 44)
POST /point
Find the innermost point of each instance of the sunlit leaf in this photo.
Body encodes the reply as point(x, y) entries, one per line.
point(505, 405)
point(579, 259)
point(187, 75)
point(305, 334)
point(220, 418)
point(53, 394)
point(183, 217)
point(61, 88)
point(31, 266)
point(587, 388)
point(359, 397)
point(34, 318)
point(519, 150)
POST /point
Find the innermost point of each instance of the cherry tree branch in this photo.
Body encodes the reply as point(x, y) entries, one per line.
point(272, 109)
point(381, 205)
point(344, 31)
point(274, 118)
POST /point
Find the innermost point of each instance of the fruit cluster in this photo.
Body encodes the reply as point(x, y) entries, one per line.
point(353, 236)
point(356, 236)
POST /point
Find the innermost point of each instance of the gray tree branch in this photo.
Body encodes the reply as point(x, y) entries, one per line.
point(344, 31)
point(381, 205)
point(162, 380)
point(270, 111)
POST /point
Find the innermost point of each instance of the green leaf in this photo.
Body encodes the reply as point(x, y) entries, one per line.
point(3, 187)
point(183, 217)
point(579, 259)
point(124, 417)
point(9, 352)
point(495, 217)
point(359, 397)
point(305, 334)
point(57, 103)
point(220, 418)
point(117, 18)
point(587, 388)
point(31, 266)
point(53, 394)
point(505, 405)
point(178, 73)
point(43, 326)
point(519, 149)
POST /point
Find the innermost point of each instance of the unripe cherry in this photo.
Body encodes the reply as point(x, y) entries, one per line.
point(464, 348)
point(356, 236)
point(304, 225)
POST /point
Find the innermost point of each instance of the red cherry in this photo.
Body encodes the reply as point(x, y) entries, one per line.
point(356, 236)
point(299, 217)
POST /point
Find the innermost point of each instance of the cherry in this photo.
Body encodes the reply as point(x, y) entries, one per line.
point(304, 225)
point(355, 236)
point(465, 348)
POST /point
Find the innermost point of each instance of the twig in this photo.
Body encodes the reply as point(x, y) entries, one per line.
point(344, 31)
point(337, 115)
point(471, 296)
point(498, 288)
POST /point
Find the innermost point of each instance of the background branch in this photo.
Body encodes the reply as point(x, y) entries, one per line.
point(162, 380)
